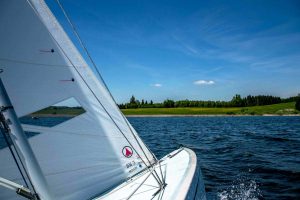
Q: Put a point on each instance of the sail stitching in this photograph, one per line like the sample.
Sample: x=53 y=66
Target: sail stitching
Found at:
x=53 y=131
x=34 y=63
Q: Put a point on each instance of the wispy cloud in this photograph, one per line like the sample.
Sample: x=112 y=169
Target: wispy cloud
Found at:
x=156 y=85
x=149 y=71
x=215 y=42
x=217 y=38
x=204 y=82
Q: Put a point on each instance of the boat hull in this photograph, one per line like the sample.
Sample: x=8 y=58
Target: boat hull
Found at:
x=182 y=176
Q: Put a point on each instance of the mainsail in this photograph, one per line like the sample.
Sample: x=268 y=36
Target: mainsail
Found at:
x=86 y=155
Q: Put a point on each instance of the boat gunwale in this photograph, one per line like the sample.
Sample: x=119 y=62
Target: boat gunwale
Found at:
x=188 y=175
x=185 y=183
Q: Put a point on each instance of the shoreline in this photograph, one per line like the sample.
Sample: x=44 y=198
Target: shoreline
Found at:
x=176 y=115
x=215 y=115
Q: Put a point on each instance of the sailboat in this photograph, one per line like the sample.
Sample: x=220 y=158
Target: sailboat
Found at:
x=95 y=154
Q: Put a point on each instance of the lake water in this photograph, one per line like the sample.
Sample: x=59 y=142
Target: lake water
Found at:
x=240 y=157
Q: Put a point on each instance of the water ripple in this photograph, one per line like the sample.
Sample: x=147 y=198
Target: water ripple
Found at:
x=240 y=157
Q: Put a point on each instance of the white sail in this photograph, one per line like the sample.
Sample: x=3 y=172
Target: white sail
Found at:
x=83 y=156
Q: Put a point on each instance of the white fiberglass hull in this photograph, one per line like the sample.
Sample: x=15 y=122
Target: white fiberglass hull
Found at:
x=182 y=177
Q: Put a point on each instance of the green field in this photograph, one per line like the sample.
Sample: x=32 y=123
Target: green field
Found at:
x=275 y=109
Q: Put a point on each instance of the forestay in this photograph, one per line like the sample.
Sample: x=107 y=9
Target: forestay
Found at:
x=85 y=155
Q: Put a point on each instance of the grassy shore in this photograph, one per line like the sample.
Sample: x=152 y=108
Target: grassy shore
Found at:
x=275 y=109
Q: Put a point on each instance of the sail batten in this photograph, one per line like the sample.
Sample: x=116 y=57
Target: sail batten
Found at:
x=84 y=156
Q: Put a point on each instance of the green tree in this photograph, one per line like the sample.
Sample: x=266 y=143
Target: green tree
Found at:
x=169 y=103
x=237 y=101
x=133 y=103
x=132 y=100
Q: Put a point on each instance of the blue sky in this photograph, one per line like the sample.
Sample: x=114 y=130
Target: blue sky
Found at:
x=191 y=49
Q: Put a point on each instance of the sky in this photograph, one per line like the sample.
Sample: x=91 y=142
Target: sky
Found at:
x=197 y=50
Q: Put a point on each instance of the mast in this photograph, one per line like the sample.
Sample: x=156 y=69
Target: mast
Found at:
x=36 y=55
x=20 y=141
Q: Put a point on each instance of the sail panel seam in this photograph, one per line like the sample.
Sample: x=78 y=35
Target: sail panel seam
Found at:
x=34 y=63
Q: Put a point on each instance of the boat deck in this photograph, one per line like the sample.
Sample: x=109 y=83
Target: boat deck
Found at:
x=177 y=169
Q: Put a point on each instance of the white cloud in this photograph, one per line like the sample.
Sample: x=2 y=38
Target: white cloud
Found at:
x=156 y=85
x=204 y=82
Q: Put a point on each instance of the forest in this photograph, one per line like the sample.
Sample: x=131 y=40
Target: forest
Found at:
x=236 y=101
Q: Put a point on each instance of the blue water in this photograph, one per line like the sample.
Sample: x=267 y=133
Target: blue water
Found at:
x=240 y=157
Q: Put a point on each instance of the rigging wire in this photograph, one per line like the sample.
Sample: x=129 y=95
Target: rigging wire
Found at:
x=90 y=57
x=101 y=78
x=157 y=161
x=72 y=64
x=88 y=54
x=77 y=71
x=93 y=63
x=123 y=116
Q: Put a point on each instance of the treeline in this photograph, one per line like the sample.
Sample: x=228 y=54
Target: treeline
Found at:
x=236 y=101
